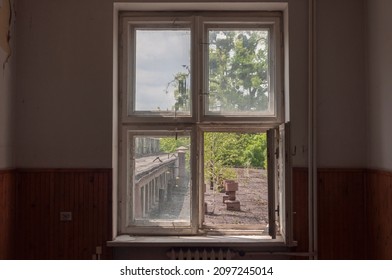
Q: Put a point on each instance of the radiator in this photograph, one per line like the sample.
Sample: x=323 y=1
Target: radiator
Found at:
x=201 y=254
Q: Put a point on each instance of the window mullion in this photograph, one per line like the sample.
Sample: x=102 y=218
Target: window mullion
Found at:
x=199 y=65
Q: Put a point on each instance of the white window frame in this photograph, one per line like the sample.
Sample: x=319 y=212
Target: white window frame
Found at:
x=230 y=229
x=129 y=21
x=126 y=193
x=273 y=24
x=197 y=110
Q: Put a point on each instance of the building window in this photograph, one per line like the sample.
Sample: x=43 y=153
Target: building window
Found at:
x=191 y=86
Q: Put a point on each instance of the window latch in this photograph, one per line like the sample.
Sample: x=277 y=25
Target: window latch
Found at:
x=277 y=211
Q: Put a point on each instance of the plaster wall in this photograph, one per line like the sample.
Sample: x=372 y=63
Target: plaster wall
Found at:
x=341 y=86
x=379 y=99
x=64 y=102
x=7 y=89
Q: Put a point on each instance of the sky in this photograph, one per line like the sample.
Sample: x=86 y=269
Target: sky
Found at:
x=160 y=54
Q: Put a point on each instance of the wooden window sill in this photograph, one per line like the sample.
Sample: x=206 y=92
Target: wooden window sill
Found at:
x=210 y=241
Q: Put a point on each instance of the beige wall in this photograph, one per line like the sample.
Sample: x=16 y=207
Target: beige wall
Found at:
x=64 y=65
x=6 y=115
x=379 y=100
x=7 y=90
x=298 y=59
x=341 y=106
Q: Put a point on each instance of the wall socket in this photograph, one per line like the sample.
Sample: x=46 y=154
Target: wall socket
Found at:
x=65 y=216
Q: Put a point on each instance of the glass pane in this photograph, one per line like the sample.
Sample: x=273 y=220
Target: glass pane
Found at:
x=161 y=179
x=238 y=73
x=162 y=71
x=235 y=174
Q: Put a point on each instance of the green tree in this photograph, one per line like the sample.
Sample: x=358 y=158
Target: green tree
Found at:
x=223 y=151
x=238 y=70
x=255 y=152
x=216 y=168
x=170 y=144
x=180 y=83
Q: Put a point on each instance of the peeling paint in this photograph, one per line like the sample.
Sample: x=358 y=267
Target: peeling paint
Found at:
x=5 y=28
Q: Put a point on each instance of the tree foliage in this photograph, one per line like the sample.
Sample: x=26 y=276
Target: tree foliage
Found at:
x=238 y=76
x=170 y=144
x=235 y=149
x=180 y=83
x=238 y=70
x=223 y=151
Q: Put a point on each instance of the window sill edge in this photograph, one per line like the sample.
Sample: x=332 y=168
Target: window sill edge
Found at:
x=213 y=241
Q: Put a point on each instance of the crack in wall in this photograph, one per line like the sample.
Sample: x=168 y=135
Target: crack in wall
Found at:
x=6 y=18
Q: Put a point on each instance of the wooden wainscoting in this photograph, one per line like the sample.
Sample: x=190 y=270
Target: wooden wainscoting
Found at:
x=341 y=214
x=43 y=194
x=379 y=214
x=7 y=213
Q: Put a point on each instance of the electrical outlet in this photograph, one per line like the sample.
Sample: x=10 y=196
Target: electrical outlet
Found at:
x=65 y=216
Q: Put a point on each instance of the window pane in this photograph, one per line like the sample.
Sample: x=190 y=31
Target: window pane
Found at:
x=238 y=72
x=161 y=179
x=162 y=71
x=235 y=174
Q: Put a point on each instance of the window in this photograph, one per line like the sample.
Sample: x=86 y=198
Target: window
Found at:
x=193 y=85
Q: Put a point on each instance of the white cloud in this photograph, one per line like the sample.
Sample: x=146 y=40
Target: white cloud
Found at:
x=160 y=55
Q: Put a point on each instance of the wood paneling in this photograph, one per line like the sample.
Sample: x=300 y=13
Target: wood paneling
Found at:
x=43 y=194
x=379 y=214
x=341 y=214
x=7 y=213
x=354 y=213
